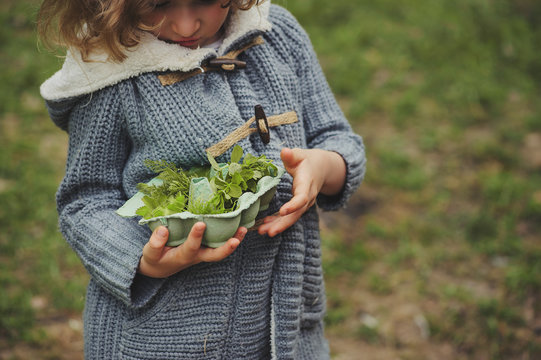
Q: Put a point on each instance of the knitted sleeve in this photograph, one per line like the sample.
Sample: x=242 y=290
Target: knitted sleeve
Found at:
x=325 y=125
x=108 y=245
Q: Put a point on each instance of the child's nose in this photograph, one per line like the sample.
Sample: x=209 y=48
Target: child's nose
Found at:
x=186 y=22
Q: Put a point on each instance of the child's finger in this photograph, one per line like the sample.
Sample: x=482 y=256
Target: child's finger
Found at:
x=296 y=203
x=153 y=249
x=220 y=253
x=302 y=195
x=280 y=224
x=269 y=219
x=193 y=243
x=240 y=233
x=264 y=228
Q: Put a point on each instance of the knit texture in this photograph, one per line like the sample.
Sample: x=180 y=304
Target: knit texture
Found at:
x=265 y=300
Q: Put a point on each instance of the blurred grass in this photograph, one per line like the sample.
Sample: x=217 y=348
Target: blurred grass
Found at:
x=40 y=276
x=446 y=95
x=438 y=254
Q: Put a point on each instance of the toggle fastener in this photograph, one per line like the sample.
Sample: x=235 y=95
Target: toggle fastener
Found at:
x=226 y=64
x=262 y=124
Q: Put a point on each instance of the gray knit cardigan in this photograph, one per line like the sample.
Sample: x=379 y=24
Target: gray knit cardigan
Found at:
x=267 y=299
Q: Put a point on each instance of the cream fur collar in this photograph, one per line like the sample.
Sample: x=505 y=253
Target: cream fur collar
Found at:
x=78 y=77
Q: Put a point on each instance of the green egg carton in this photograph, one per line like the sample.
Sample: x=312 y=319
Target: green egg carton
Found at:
x=219 y=227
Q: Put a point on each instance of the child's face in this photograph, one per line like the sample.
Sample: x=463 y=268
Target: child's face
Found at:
x=189 y=23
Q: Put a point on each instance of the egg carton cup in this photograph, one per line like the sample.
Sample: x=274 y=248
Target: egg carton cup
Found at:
x=219 y=227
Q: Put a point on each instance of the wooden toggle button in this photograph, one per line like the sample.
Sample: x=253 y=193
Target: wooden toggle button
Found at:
x=262 y=124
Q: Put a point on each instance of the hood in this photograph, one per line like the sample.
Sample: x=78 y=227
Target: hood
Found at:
x=78 y=77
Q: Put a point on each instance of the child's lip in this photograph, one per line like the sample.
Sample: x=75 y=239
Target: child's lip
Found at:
x=187 y=42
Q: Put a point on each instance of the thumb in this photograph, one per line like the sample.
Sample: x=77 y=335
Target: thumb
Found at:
x=154 y=247
x=291 y=158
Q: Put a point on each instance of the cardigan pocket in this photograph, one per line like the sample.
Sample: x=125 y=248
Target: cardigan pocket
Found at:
x=187 y=321
x=159 y=303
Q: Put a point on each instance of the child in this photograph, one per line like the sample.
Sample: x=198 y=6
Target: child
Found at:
x=155 y=79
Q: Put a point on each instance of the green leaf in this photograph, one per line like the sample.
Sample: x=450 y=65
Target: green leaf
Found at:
x=247 y=173
x=249 y=159
x=157 y=212
x=273 y=170
x=234 y=168
x=143 y=211
x=257 y=174
x=218 y=203
x=238 y=179
x=236 y=154
x=235 y=191
x=178 y=205
x=251 y=185
x=149 y=202
x=213 y=162
x=218 y=183
x=159 y=166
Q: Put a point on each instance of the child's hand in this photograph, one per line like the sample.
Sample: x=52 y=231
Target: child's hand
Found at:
x=160 y=261
x=313 y=171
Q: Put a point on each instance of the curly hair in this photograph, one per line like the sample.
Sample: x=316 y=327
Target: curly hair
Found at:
x=108 y=25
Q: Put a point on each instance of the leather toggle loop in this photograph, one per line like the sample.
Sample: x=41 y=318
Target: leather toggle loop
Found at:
x=262 y=124
x=227 y=62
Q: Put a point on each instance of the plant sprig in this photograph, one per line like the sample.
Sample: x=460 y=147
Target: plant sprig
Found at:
x=228 y=182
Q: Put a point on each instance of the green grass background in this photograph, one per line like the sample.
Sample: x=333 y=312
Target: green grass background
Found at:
x=438 y=254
